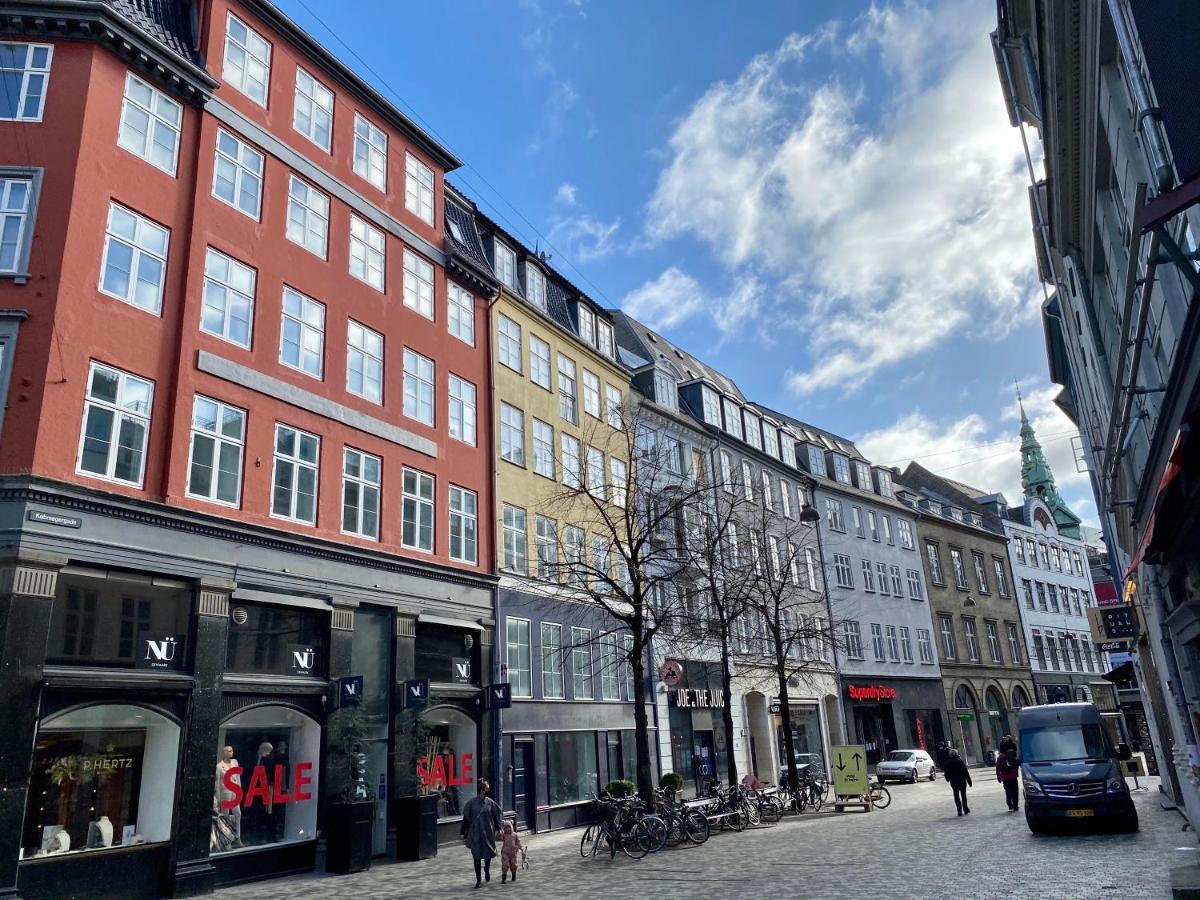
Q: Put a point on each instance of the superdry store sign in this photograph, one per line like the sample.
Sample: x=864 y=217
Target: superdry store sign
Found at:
x=870 y=693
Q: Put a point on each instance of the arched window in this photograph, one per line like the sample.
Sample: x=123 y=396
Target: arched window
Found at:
x=1020 y=699
x=963 y=698
x=448 y=766
x=103 y=776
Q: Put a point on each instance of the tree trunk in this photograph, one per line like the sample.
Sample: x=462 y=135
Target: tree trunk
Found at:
x=645 y=772
x=785 y=717
x=727 y=710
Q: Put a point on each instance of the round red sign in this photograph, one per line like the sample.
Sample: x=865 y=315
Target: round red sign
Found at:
x=671 y=672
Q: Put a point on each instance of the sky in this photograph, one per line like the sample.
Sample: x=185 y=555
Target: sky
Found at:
x=823 y=200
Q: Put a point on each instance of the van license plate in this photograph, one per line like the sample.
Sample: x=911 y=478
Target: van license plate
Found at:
x=1080 y=813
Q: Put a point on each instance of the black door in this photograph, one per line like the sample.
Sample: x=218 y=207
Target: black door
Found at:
x=524 y=785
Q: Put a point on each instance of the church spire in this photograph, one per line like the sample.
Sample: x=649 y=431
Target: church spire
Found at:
x=1038 y=481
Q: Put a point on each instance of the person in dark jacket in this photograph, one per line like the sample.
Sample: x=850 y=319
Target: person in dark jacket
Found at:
x=481 y=822
x=1008 y=770
x=959 y=776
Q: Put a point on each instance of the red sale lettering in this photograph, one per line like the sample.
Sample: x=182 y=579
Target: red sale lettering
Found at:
x=231 y=781
x=445 y=771
x=265 y=793
x=258 y=787
x=302 y=780
x=279 y=794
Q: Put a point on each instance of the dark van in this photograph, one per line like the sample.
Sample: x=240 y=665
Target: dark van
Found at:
x=1070 y=769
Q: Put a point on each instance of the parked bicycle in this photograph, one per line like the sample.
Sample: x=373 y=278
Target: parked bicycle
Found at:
x=879 y=796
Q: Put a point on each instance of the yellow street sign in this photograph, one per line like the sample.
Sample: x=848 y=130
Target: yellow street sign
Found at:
x=849 y=770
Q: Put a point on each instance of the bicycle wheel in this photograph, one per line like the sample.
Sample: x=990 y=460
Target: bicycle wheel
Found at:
x=655 y=831
x=736 y=821
x=697 y=827
x=751 y=813
x=771 y=810
x=884 y=798
x=676 y=828
x=634 y=839
x=816 y=798
x=587 y=843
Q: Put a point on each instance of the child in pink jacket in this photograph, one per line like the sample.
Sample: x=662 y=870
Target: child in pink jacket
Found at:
x=510 y=851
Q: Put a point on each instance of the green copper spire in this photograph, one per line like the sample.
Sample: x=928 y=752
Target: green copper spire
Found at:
x=1038 y=481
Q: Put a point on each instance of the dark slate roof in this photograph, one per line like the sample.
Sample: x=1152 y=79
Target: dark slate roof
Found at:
x=471 y=247
x=814 y=435
x=167 y=21
x=652 y=346
x=557 y=306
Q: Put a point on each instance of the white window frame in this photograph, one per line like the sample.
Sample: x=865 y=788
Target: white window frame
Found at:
x=568 y=389
x=366 y=486
x=571 y=465
x=462 y=410
x=121 y=412
x=505 y=263
x=546 y=547
x=464 y=524
x=925 y=646
x=733 y=417
x=366 y=346
x=31 y=73
x=552 y=660
x=711 y=404
x=422 y=507
x=418 y=284
x=460 y=313
x=370 y=152
x=906 y=651
x=238 y=283
x=539 y=362
x=613 y=406
x=250 y=46
x=914 y=584
x=23 y=212
x=419 y=185
x=297 y=463
x=219 y=440
x=508 y=343
x=512 y=434
x=591 y=394
x=610 y=677
x=618 y=473
x=159 y=121
x=368 y=253
x=852 y=635
x=420 y=378
x=142 y=247
x=243 y=154
x=311 y=321
x=543 y=449
x=520 y=663
x=316 y=101
x=605 y=340
x=535 y=286
x=596 y=485
x=785 y=498
x=949 y=642
x=307 y=217
x=581 y=656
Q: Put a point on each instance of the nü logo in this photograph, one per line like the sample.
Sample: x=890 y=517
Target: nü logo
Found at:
x=159 y=651
x=303 y=659
x=162 y=651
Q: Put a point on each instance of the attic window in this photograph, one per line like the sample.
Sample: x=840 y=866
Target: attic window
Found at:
x=455 y=231
x=677 y=353
x=653 y=339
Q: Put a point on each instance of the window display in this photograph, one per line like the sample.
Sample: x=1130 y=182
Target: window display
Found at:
x=265 y=782
x=574 y=773
x=448 y=767
x=103 y=776
x=277 y=640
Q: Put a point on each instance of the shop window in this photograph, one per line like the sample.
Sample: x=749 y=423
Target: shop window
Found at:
x=277 y=640
x=449 y=765
x=103 y=776
x=443 y=649
x=114 y=619
x=574 y=773
x=265 y=784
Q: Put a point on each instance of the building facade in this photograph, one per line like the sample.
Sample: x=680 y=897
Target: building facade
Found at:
x=1104 y=86
x=229 y=478
x=985 y=670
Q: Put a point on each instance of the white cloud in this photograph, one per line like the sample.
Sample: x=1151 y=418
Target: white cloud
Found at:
x=674 y=297
x=984 y=454
x=565 y=194
x=584 y=238
x=895 y=212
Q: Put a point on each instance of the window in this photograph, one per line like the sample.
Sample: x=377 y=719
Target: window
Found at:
x=949 y=650
x=416 y=531
x=1039 y=649
x=535 y=287
x=418 y=387
x=116 y=422
x=552 y=674
x=785 y=498
x=904 y=529
x=587 y=324
x=581 y=663
x=539 y=353
x=370 y=152
x=360 y=493
x=1041 y=594
x=509 y=340
x=567 y=404
x=711 y=405
x=573 y=556
x=1052 y=590
x=810 y=566
x=1001 y=578
x=1052 y=647
x=464 y=525
x=787 y=443
x=1014 y=643
x=572 y=476
x=748 y=479
x=816 y=461
x=610 y=674
x=366 y=253
x=612 y=402
x=753 y=430
x=150 y=122
x=312 y=114
x=727 y=471
x=418 y=287
x=462 y=410
x=768 y=495
x=770 y=440
x=893 y=644
x=24 y=71
x=925 y=646
x=897 y=587
x=364 y=362
x=307 y=217
x=1043 y=553
x=238 y=174
x=841 y=470
x=595 y=473
x=972 y=640
x=841 y=571
x=591 y=394
x=872 y=524
x=302 y=334
x=546 y=537
x=247 y=60
x=418 y=188
x=1078 y=562
x=1054 y=555
x=512 y=434
x=520 y=672
x=505 y=263
x=1027 y=588
x=1075 y=601
x=877 y=642
x=604 y=339
x=215 y=463
x=993 y=636
x=619 y=477
x=914 y=583
x=886 y=524
x=1019 y=547
x=733 y=418
x=960 y=569
x=294 y=482
x=833 y=514
x=135 y=258
x=885 y=483
x=980 y=572
x=868 y=574
x=543 y=449
x=227 y=309
x=906 y=644
x=16 y=205
x=935 y=563
x=665 y=392
x=882 y=570
x=856 y=519
x=672 y=452
x=852 y=634
x=1088 y=658
x=1032 y=552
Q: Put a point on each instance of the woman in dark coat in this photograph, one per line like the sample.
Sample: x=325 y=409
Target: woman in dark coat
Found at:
x=959 y=776
x=480 y=824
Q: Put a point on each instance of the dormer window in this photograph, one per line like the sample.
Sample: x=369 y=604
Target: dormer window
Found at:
x=770 y=439
x=955 y=513
x=455 y=231
x=665 y=392
x=841 y=468
x=711 y=402
x=733 y=418
x=587 y=325
x=816 y=460
x=787 y=443
x=753 y=431
x=863 y=472
x=535 y=287
x=604 y=333
x=505 y=262
x=885 y=483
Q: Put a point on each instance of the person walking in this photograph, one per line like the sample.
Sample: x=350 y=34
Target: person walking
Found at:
x=480 y=824
x=959 y=776
x=1008 y=769
x=510 y=850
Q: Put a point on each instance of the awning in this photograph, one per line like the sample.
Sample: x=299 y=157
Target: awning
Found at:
x=1123 y=672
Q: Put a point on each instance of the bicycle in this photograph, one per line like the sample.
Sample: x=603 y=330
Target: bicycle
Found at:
x=879 y=796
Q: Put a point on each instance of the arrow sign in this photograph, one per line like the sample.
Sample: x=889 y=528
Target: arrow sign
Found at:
x=857 y=757
x=416 y=692
x=849 y=780
x=841 y=765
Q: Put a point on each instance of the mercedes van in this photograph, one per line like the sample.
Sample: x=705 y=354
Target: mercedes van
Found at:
x=1070 y=768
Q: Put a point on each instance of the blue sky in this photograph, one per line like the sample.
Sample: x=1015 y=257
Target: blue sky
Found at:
x=823 y=200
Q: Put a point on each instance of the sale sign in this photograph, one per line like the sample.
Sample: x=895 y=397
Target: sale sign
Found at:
x=266 y=794
x=445 y=771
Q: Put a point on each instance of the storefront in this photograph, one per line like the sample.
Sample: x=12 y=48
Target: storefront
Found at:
x=893 y=714
x=699 y=750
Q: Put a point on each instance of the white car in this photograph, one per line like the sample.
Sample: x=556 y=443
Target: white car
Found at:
x=906 y=765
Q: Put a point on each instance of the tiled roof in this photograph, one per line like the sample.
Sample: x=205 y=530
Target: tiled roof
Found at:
x=814 y=435
x=655 y=347
x=470 y=247
x=556 y=306
x=167 y=21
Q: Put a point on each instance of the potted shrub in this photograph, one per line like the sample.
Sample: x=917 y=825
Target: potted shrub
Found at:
x=672 y=783
x=620 y=789
x=350 y=818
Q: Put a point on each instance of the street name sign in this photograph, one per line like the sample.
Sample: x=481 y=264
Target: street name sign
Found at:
x=849 y=770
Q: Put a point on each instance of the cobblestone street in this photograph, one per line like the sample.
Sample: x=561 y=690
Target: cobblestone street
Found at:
x=917 y=848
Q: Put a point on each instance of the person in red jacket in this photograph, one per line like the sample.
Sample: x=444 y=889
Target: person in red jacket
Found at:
x=1008 y=770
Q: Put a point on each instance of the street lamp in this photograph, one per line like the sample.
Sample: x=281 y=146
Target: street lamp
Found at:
x=810 y=516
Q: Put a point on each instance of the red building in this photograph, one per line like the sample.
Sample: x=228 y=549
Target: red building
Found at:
x=245 y=450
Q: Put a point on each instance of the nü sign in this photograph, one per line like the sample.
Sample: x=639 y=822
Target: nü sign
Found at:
x=698 y=698
x=870 y=692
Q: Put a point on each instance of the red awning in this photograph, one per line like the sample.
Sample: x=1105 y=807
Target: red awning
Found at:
x=1173 y=467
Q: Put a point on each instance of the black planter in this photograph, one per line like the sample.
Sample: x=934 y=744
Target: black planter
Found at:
x=349 y=829
x=416 y=827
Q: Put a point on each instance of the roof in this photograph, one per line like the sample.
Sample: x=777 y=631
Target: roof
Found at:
x=920 y=481
x=814 y=435
x=466 y=247
x=167 y=21
x=651 y=346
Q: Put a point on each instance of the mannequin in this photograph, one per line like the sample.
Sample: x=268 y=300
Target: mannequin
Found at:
x=229 y=835
x=105 y=826
x=260 y=821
